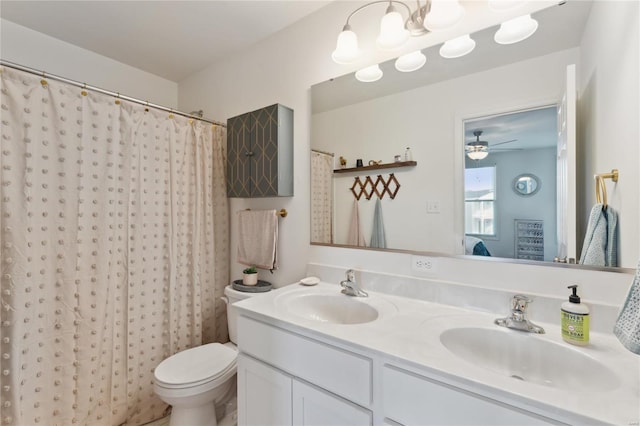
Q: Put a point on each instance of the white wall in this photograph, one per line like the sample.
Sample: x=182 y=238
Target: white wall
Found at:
x=32 y=49
x=380 y=128
x=608 y=116
x=282 y=69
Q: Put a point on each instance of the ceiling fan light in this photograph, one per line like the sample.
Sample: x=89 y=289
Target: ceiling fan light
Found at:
x=411 y=61
x=346 y=48
x=369 y=74
x=501 y=5
x=477 y=154
x=443 y=15
x=457 y=47
x=516 y=30
x=393 y=33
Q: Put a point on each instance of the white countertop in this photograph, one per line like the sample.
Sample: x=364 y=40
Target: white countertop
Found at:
x=408 y=332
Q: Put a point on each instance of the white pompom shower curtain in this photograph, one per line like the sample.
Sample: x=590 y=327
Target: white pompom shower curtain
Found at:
x=113 y=250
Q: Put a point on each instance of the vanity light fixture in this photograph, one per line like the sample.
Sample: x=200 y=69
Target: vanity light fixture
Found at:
x=457 y=47
x=411 y=61
x=515 y=30
x=369 y=74
x=395 y=30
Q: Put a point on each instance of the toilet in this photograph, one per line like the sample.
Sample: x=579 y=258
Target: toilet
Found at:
x=195 y=380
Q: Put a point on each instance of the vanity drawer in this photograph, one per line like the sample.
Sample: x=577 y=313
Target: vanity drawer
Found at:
x=341 y=372
x=411 y=399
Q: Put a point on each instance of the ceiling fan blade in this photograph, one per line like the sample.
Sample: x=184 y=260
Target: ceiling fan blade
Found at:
x=502 y=143
x=506 y=149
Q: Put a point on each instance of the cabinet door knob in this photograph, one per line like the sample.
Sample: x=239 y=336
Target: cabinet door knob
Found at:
x=248 y=154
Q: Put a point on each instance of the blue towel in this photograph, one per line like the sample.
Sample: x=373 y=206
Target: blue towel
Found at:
x=378 y=238
x=627 y=328
x=600 y=247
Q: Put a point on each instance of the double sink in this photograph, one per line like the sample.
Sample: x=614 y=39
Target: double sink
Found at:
x=521 y=356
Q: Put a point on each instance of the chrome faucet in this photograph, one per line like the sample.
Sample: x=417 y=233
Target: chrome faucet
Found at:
x=350 y=287
x=518 y=318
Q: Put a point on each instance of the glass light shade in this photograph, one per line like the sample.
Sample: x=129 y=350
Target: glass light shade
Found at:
x=457 y=47
x=346 y=48
x=369 y=74
x=500 y=5
x=411 y=61
x=443 y=15
x=478 y=154
x=393 y=34
x=516 y=30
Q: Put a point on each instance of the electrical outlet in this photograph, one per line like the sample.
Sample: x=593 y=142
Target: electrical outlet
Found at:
x=433 y=206
x=423 y=264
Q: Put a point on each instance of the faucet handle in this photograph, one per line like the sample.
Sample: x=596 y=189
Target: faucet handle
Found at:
x=519 y=302
x=351 y=275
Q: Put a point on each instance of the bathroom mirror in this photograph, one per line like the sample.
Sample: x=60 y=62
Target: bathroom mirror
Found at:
x=426 y=110
x=526 y=184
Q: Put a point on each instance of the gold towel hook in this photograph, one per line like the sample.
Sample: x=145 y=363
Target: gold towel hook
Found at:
x=601 y=186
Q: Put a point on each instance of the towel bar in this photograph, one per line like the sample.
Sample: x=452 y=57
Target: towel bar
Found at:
x=601 y=187
x=281 y=212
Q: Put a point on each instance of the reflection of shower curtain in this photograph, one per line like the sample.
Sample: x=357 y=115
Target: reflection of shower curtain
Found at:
x=321 y=197
x=114 y=230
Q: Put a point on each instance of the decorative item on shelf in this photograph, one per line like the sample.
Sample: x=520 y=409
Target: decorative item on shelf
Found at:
x=397 y=158
x=250 y=276
x=432 y=15
x=408 y=155
x=343 y=162
x=374 y=162
x=359 y=162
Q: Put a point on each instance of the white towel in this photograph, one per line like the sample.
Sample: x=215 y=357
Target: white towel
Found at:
x=355 y=238
x=258 y=238
x=627 y=328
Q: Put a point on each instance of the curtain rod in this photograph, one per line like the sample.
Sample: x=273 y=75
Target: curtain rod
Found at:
x=104 y=92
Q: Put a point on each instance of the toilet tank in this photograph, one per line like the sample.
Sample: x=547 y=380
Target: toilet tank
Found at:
x=233 y=296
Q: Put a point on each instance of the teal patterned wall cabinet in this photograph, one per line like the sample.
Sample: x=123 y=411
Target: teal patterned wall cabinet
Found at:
x=260 y=153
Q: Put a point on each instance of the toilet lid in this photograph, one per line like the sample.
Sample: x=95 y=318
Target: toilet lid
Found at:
x=195 y=364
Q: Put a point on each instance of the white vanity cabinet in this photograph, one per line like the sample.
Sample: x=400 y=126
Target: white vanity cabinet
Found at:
x=285 y=378
x=412 y=399
x=289 y=378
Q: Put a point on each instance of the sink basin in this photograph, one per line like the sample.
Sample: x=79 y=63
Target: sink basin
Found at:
x=334 y=307
x=529 y=358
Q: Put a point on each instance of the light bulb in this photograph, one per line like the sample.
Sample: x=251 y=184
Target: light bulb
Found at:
x=443 y=15
x=457 y=47
x=516 y=30
x=411 y=61
x=369 y=74
x=393 y=34
x=347 y=47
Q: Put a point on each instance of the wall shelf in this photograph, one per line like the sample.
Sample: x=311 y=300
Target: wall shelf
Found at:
x=377 y=167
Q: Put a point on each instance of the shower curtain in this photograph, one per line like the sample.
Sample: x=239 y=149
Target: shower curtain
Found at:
x=113 y=250
x=321 y=197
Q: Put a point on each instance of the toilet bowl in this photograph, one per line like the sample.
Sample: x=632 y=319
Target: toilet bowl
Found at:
x=195 y=380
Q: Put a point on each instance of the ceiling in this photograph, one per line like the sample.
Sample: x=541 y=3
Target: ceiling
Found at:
x=171 y=39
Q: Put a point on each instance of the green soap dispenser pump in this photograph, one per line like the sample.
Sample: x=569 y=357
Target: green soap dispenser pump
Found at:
x=575 y=319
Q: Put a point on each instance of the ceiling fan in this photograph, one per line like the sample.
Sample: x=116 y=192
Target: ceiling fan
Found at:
x=477 y=150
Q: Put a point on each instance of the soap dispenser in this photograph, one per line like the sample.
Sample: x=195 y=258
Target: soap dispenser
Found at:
x=575 y=319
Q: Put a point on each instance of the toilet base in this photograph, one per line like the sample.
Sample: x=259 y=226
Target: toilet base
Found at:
x=203 y=415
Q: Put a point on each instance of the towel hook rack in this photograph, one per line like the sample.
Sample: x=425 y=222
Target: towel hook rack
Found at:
x=601 y=187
